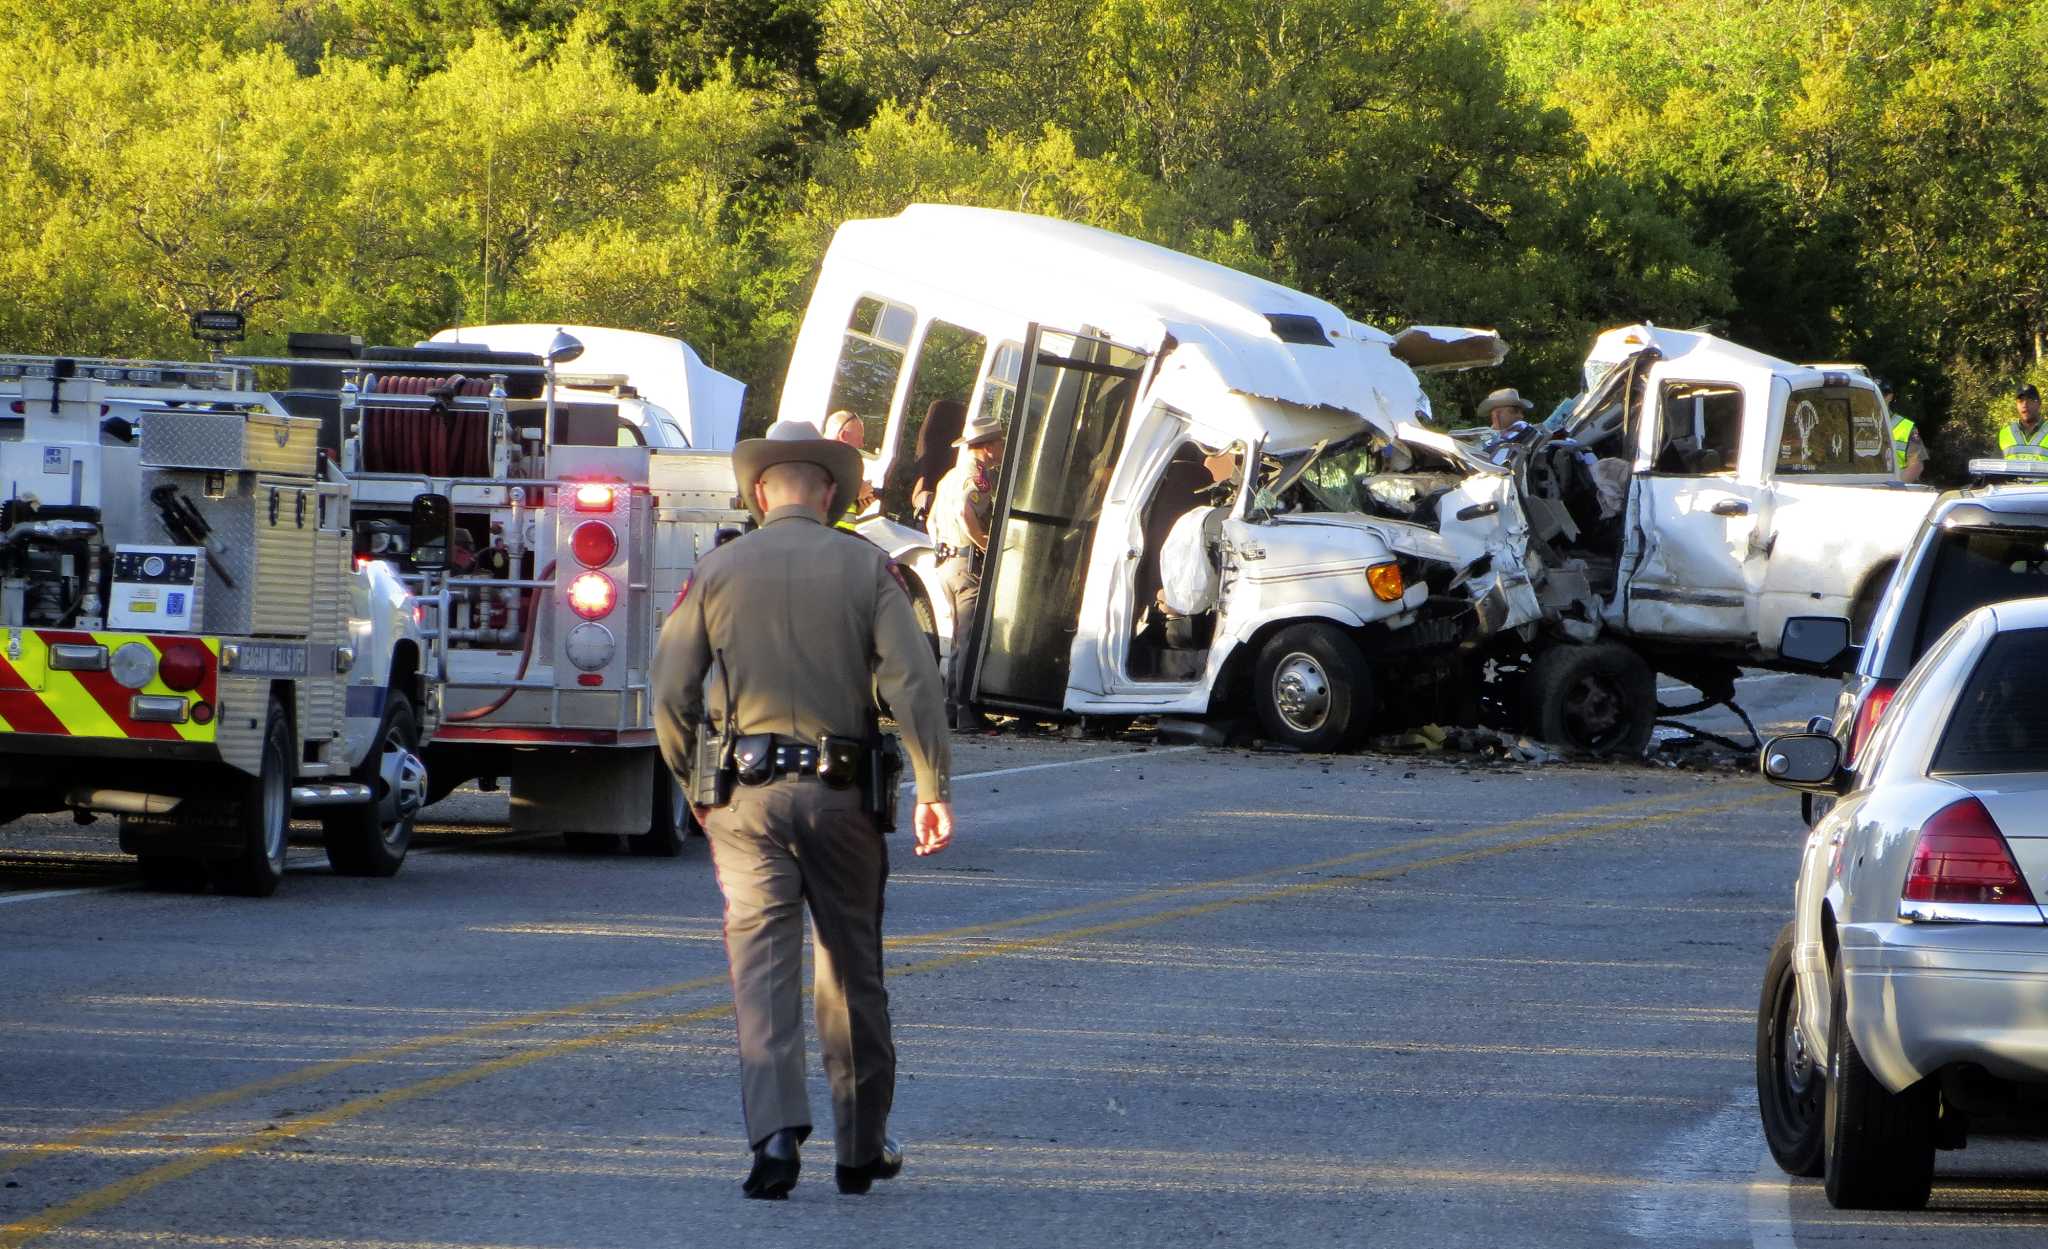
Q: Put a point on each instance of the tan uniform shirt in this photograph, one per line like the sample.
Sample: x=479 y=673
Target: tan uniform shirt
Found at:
x=963 y=490
x=811 y=624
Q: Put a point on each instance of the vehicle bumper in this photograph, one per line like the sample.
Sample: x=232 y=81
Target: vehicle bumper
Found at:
x=1924 y=996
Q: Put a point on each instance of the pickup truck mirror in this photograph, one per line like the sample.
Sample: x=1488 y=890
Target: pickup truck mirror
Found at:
x=433 y=531
x=1807 y=761
x=1823 y=643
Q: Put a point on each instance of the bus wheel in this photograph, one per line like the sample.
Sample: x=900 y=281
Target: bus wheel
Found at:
x=1311 y=687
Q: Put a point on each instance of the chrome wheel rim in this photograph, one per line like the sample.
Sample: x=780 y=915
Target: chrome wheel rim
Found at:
x=1301 y=692
x=277 y=797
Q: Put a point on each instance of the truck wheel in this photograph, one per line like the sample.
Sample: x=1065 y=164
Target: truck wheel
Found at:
x=670 y=821
x=1311 y=687
x=262 y=809
x=371 y=839
x=1598 y=699
x=927 y=622
x=1880 y=1144
x=1789 y=1083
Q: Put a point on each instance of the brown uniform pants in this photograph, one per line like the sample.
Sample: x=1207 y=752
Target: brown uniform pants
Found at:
x=778 y=847
x=961 y=576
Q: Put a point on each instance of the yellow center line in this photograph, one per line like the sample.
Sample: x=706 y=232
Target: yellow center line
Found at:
x=24 y=1231
x=84 y=1138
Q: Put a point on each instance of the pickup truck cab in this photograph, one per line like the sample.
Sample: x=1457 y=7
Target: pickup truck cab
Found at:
x=1697 y=496
x=1730 y=491
x=1216 y=491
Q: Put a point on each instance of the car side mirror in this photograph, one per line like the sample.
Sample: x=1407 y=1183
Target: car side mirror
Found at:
x=433 y=530
x=1823 y=643
x=1806 y=761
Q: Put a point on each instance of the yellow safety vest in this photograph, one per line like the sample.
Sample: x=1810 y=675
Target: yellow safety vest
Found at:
x=2015 y=445
x=1902 y=437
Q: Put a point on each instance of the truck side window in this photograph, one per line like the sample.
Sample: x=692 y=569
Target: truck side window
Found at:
x=877 y=339
x=1834 y=429
x=1699 y=428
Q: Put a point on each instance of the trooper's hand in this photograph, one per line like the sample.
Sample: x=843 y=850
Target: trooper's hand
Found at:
x=933 y=824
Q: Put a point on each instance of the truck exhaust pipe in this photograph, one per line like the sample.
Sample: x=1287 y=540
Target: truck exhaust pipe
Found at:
x=122 y=801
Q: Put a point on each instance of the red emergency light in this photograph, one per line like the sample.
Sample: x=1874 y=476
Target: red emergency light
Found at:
x=182 y=667
x=594 y=543
x=594 y=496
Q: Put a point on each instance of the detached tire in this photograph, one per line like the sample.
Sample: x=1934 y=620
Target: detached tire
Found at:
x=1311 y=687
x=1598 y=699
x=360 y=840
x=1790 y=1086
x=262 y=812
x=669 y=822
x=1880 y=1144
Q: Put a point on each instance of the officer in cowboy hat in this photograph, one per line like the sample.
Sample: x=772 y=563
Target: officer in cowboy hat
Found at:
x=807 y=625
x=1505 y=408
x=1507 y=412
x=961 y=509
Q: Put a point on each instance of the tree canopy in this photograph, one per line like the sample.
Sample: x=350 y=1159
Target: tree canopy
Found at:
x=1839 y=179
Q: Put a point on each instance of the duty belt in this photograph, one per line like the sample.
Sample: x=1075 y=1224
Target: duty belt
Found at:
x=763 y=757
x=945 y=552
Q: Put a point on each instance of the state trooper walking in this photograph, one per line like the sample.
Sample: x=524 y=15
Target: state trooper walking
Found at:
x=797 y=628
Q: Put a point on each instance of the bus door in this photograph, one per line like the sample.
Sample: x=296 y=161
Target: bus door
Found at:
x=1076 y=393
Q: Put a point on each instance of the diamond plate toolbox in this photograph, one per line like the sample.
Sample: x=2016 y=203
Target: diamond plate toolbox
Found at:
x=230 y=441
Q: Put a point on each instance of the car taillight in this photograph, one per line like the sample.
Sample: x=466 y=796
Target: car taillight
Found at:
x=592 y=595
x=182 y=667
x=1867 y=716
x=1962 y=857
x=594 y=543
x=593 y=497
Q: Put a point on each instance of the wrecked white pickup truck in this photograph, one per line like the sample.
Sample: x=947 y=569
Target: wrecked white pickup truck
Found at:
x=1695 y=497
x=1216 y=495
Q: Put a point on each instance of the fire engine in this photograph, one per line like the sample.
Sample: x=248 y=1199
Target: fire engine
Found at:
x=184 y=641
x=546 y=519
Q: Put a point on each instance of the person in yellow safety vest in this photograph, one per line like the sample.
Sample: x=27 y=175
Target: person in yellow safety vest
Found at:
x=1906 y=442
x=844 y=426
x=2027 y=437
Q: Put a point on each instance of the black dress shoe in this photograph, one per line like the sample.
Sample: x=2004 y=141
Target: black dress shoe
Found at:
x=775 y=1167
x=854 y=1181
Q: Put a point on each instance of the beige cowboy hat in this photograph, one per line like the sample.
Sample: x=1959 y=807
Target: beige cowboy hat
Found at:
x=798 y=442
x=1506 y=397
x=983 y=428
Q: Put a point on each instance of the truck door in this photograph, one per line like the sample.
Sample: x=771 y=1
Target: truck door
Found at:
x=1839 y=516
x=1077 y=391
x=1693 y=512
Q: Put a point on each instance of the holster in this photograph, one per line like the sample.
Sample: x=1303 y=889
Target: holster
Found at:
x=882 y=781
x=711 y=775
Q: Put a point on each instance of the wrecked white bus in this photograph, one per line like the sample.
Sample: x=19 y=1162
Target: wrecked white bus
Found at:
x=1216 y=496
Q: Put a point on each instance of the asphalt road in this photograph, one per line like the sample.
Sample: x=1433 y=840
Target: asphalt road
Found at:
x=1166 y=996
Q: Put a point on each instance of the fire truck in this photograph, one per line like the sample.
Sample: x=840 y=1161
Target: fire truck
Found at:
x=546 y=518
x=185 y=642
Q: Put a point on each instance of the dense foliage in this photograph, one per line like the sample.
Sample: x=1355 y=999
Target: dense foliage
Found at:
x=1819 y=178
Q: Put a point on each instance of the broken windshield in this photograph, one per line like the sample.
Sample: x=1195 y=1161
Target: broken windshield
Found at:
x=1366 y=474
